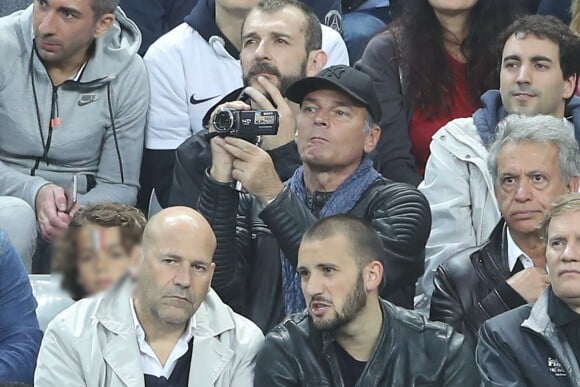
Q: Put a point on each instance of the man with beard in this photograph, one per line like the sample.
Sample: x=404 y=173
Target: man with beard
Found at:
x=350 y=336
x=300 y=56
x=167 y=327
x=195 y=65
x=259 y=232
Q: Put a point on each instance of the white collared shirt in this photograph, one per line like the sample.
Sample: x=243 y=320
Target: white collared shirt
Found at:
x=149 y=361
x=515 y=253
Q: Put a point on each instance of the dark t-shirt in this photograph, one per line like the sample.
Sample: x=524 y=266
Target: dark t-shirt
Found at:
x=350 y=368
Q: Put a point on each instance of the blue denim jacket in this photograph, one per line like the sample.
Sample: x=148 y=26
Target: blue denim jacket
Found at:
x=20 y=335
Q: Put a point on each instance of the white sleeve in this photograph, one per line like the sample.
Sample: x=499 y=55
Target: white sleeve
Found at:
x=447 y=188
x=334 y=47
x=168 y=123
x=58 y=363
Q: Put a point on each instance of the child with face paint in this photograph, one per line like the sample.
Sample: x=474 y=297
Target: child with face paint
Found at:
x=100 y=241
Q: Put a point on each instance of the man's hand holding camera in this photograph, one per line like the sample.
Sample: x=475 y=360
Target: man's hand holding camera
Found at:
x=235 y=158
x=253 y=168
x=287 y=122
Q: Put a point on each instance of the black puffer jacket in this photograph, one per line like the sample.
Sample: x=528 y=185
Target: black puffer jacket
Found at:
x=472 y=288
x=410 y=351
x=247 y=257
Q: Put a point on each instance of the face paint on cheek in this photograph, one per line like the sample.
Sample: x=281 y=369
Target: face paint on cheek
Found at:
x=98 y=240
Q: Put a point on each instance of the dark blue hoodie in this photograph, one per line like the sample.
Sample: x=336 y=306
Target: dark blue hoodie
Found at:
x=202 y=19
x=487 y=117
x=155 y=17
x=328 y=11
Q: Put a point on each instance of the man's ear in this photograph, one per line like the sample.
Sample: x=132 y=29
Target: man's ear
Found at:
x=372 y=139
x=211 y=272
x=373 y=274
x=103 y=24
x=315 y=62
x=569 y=86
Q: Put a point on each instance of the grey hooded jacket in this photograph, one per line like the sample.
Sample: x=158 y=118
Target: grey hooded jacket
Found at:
x=102 y=116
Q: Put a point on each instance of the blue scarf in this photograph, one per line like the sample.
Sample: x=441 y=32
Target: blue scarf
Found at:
x=340 y=202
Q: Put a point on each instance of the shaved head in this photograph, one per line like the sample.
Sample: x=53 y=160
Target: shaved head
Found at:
x=182 y=221
x=176 y=272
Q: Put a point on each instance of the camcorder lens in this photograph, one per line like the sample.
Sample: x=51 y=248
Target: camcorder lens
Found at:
x=223 y=121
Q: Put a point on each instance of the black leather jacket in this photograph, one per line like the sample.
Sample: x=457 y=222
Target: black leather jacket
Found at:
x=193 y=157
x=250 y=236
x=410 y=351
x=471 y=288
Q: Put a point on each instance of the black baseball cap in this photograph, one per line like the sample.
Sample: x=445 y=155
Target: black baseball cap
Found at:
x=356 y=84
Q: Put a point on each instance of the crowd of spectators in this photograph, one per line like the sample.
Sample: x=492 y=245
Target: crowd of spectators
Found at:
x=290 y=193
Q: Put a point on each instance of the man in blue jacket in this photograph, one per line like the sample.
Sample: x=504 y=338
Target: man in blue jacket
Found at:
x=19 y=333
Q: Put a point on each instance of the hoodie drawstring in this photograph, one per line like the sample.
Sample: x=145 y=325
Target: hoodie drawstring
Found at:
x=55 y=120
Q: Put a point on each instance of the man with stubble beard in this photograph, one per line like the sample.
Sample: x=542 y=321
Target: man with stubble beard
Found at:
x=196 y=65
x=282 y=41
x=348 y=335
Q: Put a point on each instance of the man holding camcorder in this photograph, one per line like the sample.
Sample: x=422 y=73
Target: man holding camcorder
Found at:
x=335 y=129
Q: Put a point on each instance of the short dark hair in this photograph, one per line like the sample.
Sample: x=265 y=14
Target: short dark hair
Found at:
x=566 y=204
x=101 y=7
x=130 y=221
x=313 y=32
x=552 y=28
x=365 y=242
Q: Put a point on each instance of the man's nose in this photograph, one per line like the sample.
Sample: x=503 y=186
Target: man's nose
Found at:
x=311 y=286
x=263 y=50
x=321 y=117
x=523 y=191
x=572 y=252
x=182 y=277
x=524 y=74
x=46 y=25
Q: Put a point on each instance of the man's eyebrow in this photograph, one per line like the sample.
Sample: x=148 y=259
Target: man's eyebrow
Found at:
x=511 y=57
x=249 y=35
x=200 y=262
x=535 y=58
x=280 y=35
x=70 y=10
x=541 y=58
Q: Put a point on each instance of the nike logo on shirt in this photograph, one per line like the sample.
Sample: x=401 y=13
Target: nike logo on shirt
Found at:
x=87 y=99
x=196 y=101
